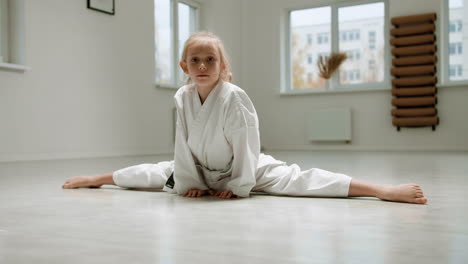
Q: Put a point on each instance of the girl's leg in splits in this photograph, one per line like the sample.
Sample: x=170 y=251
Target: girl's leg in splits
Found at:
x=89 y=181
x=278 y=178
x=408 y=193
x=138 y=176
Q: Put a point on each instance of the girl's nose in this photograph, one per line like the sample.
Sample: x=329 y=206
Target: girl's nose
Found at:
x=202 y=67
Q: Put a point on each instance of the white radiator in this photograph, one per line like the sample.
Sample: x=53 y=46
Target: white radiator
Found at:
x=332 y=124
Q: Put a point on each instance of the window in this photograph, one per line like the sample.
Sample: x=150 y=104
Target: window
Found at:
x=322 y=38
x=456 y=48
x=3 y=31
x=456 y=71
x=309 y=59
x=12 y=35
x=371 y=40
x=455 y=39
x=452 y=27
x=350 y=35
x=337 y=28
x=352 y=75
x=309 y=39
x=354 y=55
x=369 y=18
x=456 y=26
x=452 y=48
x=305 y=76
x=174 y=21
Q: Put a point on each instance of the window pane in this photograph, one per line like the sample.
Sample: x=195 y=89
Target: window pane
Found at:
x=366 y=21
x=458 y=39
x=187 y=23
x=163 y=42
x=452 y=26
x=315 y=22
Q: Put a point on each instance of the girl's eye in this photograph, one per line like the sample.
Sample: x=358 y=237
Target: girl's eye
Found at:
x=194 y=59
x=210 y=59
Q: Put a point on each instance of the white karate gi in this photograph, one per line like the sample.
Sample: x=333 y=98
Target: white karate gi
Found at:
x=218 y=147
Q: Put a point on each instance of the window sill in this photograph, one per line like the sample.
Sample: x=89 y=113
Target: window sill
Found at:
x=323 y=91
x=166 y=87
x=454 y=84
x=13 y=67
x=461 y=84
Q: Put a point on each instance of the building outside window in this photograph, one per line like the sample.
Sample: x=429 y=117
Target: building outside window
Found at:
x=456 y=40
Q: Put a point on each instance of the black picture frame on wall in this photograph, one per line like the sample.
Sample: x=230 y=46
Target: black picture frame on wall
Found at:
x=104 y=6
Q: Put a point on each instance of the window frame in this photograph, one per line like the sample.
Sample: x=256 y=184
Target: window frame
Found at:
x=175 y=39
x=444 y=43
x=333 y=84
x=4 y=39
x=14 y=55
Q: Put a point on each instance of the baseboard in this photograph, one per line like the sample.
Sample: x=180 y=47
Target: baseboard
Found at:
x=364 y=148
x=18 y=157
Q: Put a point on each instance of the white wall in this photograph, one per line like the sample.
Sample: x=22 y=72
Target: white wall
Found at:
x=282 y=117
x=223 y=17
x=90 y=91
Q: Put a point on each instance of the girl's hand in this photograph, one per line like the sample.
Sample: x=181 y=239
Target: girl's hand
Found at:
x=194 y=193
x=226 y=194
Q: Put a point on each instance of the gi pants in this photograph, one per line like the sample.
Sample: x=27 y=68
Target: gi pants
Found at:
x=272 y=176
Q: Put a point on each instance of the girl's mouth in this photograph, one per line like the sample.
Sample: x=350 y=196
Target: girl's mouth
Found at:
x=202 y=75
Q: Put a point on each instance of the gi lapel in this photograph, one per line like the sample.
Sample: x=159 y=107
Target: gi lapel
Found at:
x=202 y=117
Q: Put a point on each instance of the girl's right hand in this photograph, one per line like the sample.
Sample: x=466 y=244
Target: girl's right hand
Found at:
x=195 y=193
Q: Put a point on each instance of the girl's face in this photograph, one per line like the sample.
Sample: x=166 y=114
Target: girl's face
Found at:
x=203 y=64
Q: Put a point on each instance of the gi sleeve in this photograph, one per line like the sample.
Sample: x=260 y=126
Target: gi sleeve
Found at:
x=243 y=135
x=186 y=175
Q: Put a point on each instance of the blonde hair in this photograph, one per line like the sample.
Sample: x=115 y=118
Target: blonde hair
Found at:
x=226 y=74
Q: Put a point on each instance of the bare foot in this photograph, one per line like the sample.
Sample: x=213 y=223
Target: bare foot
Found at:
x=407 y=193
x=81 y=181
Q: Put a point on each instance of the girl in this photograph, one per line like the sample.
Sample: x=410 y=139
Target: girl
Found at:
x=217 y=148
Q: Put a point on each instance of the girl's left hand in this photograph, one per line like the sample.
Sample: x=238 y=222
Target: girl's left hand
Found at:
x=195 y=193
x=226 y=194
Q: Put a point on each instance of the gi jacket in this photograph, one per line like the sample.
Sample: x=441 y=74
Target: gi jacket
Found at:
x=217 y=143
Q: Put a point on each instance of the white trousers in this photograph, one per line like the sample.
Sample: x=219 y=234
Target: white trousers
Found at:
x=273 y=177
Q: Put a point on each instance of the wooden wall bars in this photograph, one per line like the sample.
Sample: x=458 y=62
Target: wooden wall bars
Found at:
x=414 y=70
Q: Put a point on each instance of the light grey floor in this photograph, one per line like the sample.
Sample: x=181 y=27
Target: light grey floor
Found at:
x=42 y=223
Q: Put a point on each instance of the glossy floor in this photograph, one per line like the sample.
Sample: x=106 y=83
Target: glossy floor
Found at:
x=42 y=223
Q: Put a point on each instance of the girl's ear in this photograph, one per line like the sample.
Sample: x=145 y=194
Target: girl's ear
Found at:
x=183 y=65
